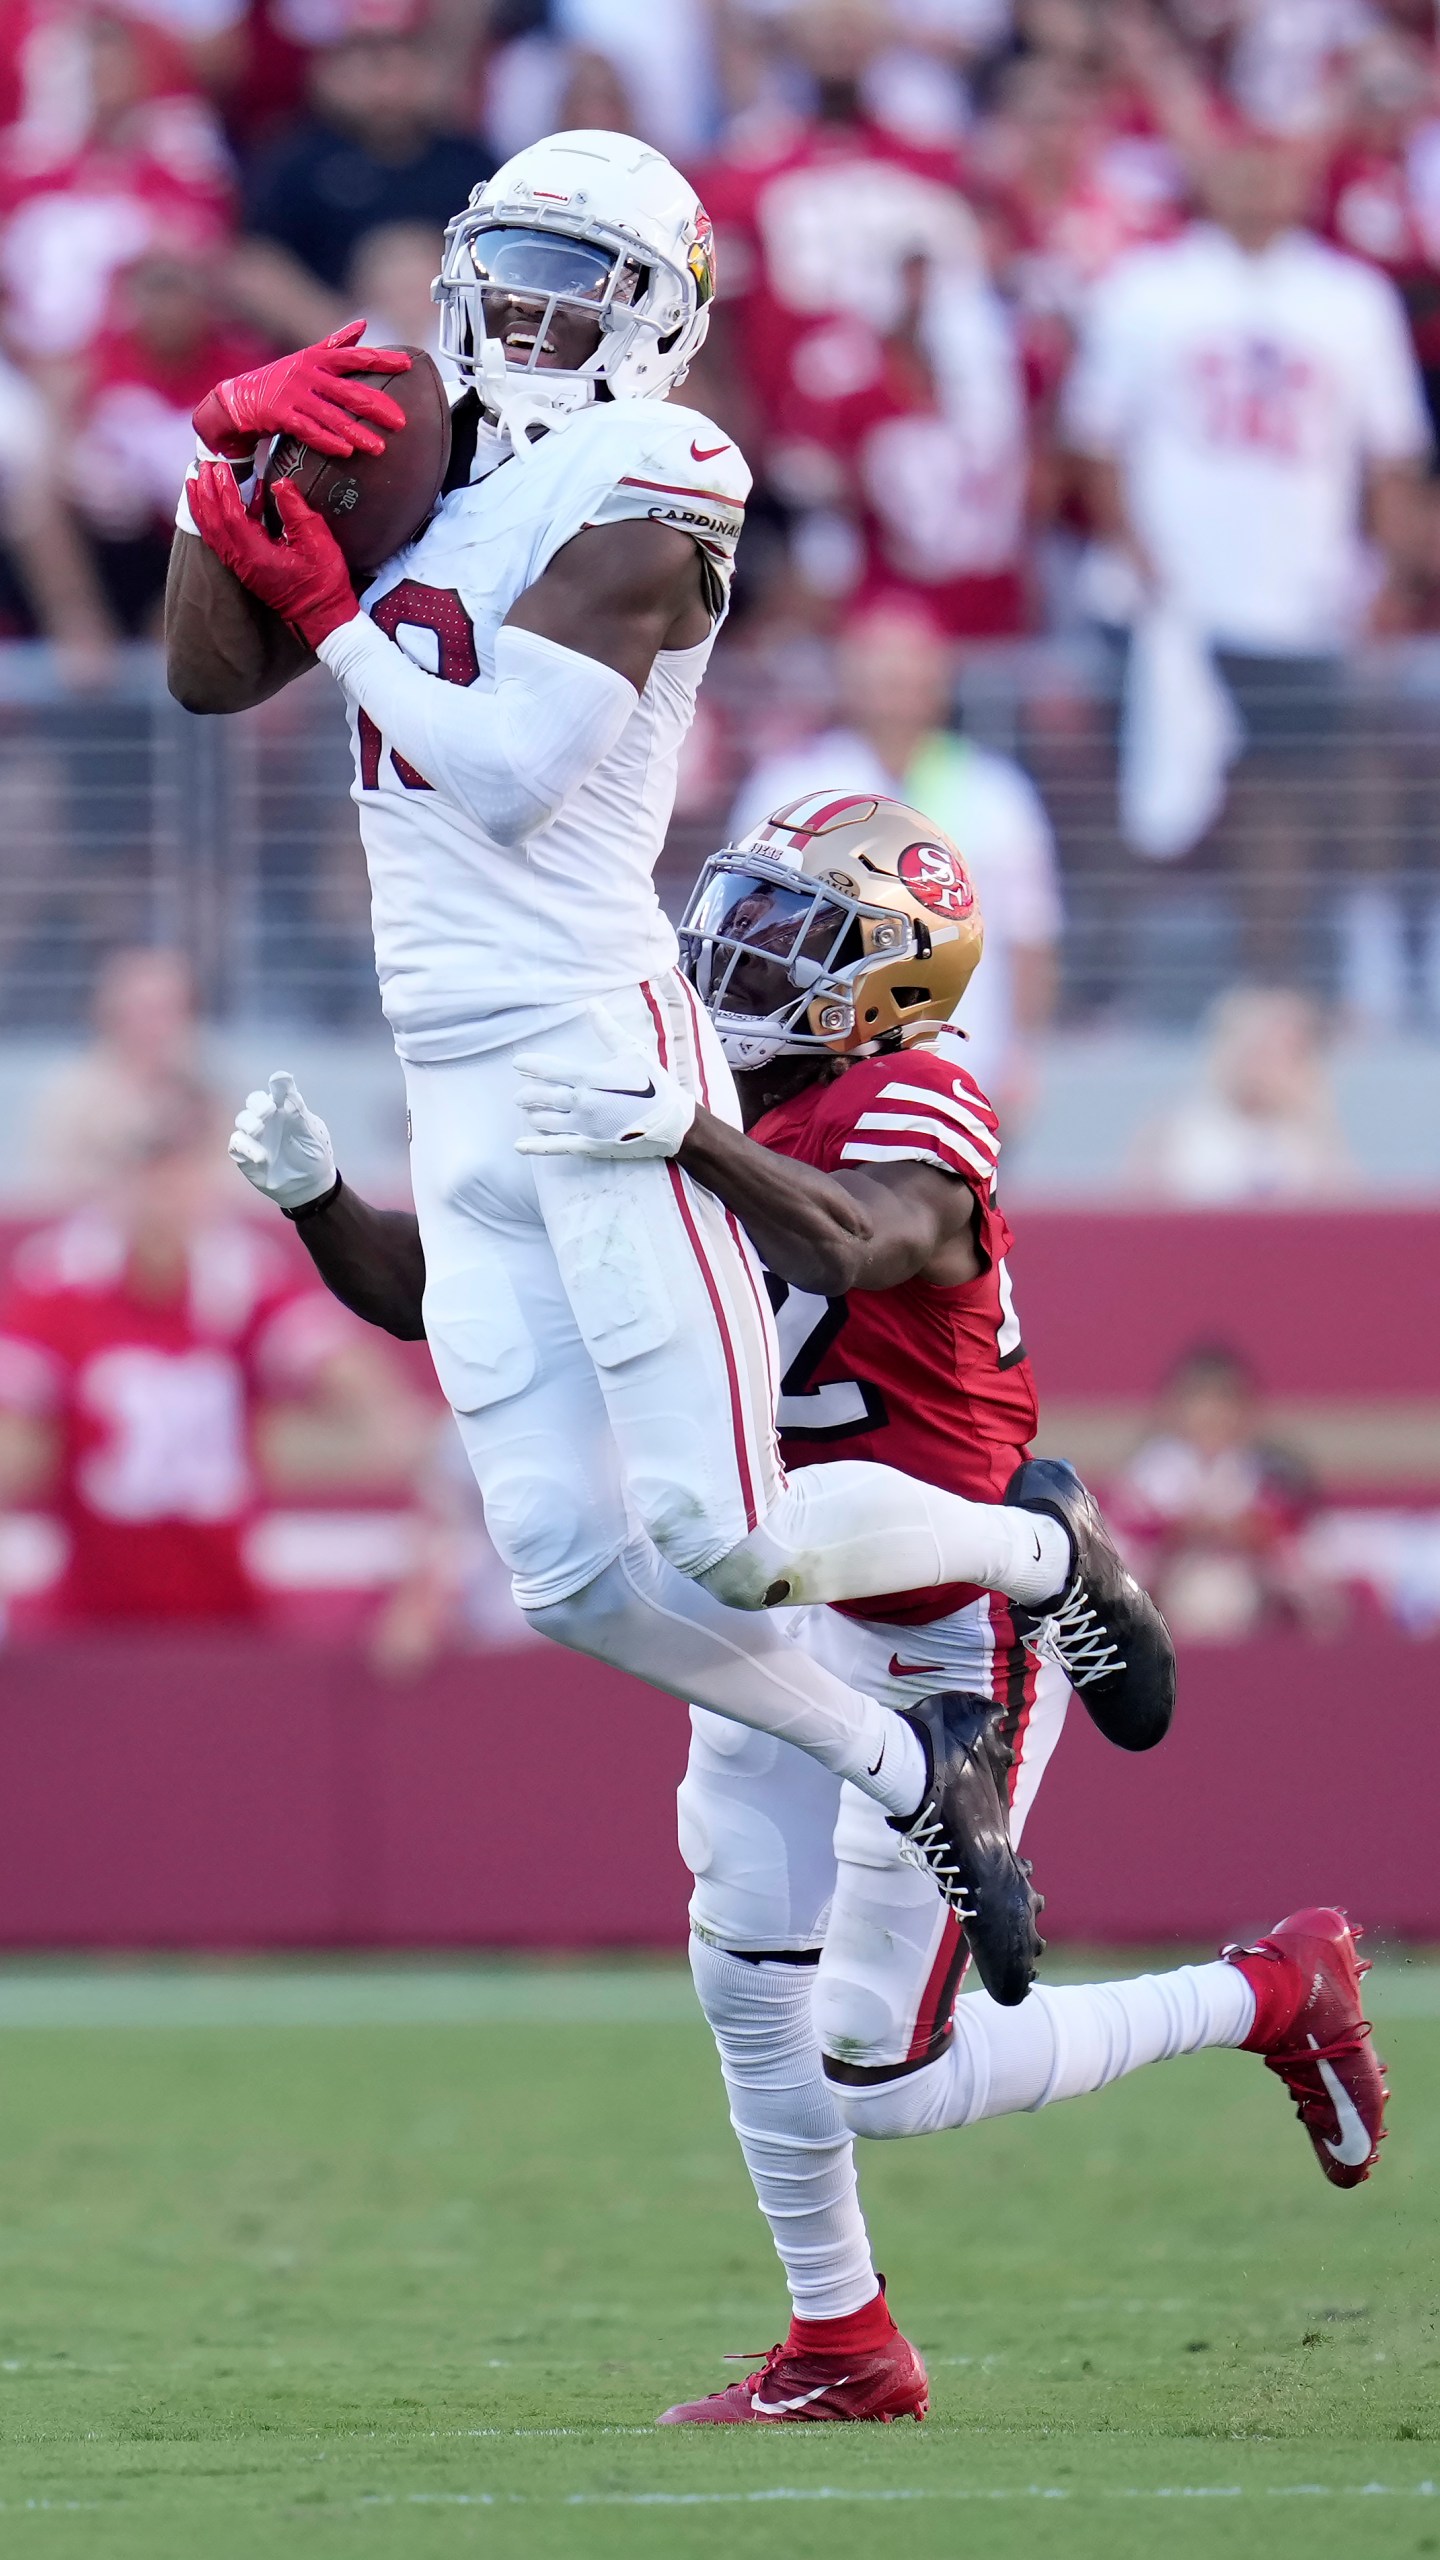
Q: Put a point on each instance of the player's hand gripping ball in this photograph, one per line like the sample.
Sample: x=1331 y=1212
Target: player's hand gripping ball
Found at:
x=626 y=1108
x=314 y=394
x=302 y=577
x=282 y=1147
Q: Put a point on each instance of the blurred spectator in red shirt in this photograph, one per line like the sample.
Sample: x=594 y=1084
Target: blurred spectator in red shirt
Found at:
x=1212 y=1512
x=130 y=433
x=819 y=216
x=378 y=147
x=101 y=162
x=921 y=436
x=141 y=1344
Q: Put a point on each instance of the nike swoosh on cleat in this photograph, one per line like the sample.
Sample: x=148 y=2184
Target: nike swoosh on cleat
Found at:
x=709 y=453
x=632 y=1092
x=777 y=2408
x=905 y=1670
x=1354 y=2146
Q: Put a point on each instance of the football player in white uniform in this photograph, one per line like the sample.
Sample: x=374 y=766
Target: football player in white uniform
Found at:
x=520 y=679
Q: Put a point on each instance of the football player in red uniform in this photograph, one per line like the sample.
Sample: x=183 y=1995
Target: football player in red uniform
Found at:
x=826 y=1964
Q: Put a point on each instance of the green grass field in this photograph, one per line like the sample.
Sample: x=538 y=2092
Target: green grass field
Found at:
x=387 y=2262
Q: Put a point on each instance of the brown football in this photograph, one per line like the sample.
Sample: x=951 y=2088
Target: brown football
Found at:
x=374 y=502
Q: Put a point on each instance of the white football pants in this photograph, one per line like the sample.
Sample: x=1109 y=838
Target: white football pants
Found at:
x=867 y=2036
x=604 y=1336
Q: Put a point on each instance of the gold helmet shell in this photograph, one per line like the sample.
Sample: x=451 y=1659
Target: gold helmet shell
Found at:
x=842 y=922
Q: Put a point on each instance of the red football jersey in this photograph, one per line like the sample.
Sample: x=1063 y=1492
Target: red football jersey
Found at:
x=931 y=1380
x=812 y=219
x=155 y=1403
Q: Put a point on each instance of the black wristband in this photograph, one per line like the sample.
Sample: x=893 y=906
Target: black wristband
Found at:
x=312 y=1208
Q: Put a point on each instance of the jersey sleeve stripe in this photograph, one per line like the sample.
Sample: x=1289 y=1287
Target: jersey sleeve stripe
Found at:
x=980 y=1154
x=916 y=1150
x=673 y=489
x=975 y=1120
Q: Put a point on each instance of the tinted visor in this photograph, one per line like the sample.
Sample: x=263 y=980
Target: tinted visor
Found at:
x=750 y=945
x=541 y=262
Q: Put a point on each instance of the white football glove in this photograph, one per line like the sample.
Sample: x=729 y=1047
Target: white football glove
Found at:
x=281 y=1147
x=626 y=1108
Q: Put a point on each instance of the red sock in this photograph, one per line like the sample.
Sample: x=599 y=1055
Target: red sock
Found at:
x=1279 y=1987
x=857 y=2333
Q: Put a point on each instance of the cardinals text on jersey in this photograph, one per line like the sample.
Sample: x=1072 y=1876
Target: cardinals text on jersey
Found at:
x=476 y=944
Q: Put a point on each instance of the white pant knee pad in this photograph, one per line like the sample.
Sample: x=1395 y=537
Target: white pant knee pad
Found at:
x=756 y=1823
x=890 y=2110
x=756 y=1574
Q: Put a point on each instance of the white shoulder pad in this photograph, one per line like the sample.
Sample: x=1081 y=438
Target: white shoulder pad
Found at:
x=684 y=472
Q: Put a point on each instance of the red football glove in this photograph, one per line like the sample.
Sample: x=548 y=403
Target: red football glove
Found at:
x=303 y=576
x=307 y=395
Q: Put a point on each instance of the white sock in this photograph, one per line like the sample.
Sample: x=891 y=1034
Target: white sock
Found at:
x=848 y=1531
x=798 y=2152
x=643 y=1616
x=1057 y=2044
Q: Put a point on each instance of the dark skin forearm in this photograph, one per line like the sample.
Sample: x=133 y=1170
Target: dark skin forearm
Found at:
x=224 y=650
x=372 y=1260
x=824 y=1232
x=833 y=1232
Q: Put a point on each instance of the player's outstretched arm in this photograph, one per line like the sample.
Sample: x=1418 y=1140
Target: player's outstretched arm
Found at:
x=372 y=1260
x=224 y=649
x=833 y=1232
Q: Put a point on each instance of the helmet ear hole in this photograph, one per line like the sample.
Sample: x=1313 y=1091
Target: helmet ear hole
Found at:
x=906 y=997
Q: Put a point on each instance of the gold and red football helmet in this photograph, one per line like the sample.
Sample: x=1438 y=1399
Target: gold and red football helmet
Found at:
x=841 y=922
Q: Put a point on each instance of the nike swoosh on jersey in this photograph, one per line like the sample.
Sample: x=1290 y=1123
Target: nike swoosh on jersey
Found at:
x=709 y=453
x=906 y=1670
x=632 y=1092
x=1354 y=2146
x=777 y=2408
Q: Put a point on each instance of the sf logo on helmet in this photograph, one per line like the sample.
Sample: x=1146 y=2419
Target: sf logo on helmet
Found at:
x=936 y=876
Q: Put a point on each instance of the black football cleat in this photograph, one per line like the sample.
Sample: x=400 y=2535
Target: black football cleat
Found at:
x=960 y=1833
x=1103 y=1629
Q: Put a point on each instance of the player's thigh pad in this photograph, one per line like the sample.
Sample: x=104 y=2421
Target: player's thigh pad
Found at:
x=505 y=1347
x=670 y=1302
x=756 y=1825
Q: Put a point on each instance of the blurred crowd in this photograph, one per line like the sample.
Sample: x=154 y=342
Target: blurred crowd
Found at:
x=1115 y=320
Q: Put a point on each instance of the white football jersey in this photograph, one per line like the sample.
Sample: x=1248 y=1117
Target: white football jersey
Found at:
x=477 y=943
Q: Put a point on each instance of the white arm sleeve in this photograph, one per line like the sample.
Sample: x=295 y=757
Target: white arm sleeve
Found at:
x=510 y=757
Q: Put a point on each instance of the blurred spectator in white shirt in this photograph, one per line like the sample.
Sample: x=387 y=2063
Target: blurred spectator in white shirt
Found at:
x=1211 y=1511
x=1261 y=1124
x=1244 y=396
x=894 y=676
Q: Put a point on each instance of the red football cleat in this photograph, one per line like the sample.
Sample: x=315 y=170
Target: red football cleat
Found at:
x=799 y=2384
x=1309 y=2026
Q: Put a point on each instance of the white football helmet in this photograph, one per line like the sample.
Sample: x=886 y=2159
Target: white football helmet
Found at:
x=596 y=222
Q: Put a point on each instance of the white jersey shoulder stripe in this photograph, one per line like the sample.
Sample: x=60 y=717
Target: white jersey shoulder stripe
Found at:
x=980 y=1152
x=918 y=1150
x=967 y=1113
x=896 y=1137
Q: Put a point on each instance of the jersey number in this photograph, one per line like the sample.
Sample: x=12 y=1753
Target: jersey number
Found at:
x=439 y=611
x=806 y=1326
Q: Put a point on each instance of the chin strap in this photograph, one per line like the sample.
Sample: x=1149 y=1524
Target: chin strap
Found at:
x=521 y=402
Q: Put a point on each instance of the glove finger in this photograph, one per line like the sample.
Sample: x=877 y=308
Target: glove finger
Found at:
x=544 y=1064
x=316 y=427
x=538 y=1096
x=553 y=1121
x=244 y=1151
x=292 y=509
x=347 y=336
x=539 y=1146
x=370 y=359
x=363 y=400
x=283 y=1090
